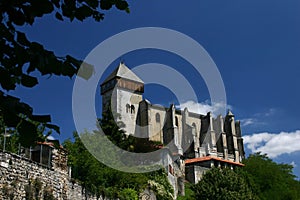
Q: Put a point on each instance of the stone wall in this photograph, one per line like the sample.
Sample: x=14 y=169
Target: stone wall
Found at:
x=21 y=177
x=194 y=173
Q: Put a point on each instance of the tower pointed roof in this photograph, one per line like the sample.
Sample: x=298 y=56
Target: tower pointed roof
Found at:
x=230 y=114
x=122 y=71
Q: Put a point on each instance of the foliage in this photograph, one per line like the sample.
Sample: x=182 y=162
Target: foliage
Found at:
x=8 y=191
x=114 y=131
x=29 y=194
x=102 y=180
x=223 y=184
x=95 y=176
x=48 y=193
x=272 y=180
x=128 y=194
x=189 y=193
x=261 y=178
x=11 y=143
x=20 y=58
x=13 y=139
x=160 y=185
x=33 y=189
x=37 y=186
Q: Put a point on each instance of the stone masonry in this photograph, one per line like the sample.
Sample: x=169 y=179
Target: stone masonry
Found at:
x=18 y=174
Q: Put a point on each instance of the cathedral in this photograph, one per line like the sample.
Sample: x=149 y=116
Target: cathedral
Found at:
x=201 y=141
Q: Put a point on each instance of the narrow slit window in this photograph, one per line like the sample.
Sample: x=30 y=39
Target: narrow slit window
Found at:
x=132 y=109
x=157 y=117
x=127 y=108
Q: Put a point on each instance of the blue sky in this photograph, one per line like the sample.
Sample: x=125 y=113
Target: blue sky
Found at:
x=255 y=45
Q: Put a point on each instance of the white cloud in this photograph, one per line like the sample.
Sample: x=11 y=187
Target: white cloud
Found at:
x=204 y=107
x=247 y=121
x=293 y=164
x=270 y=112
x=50 y=137
x=251 y=122
x=258 y=119
x=273 y=144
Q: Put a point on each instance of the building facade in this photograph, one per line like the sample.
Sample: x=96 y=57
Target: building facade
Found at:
x=200 y=141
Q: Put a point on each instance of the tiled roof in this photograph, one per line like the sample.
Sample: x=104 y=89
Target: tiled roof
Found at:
x=207 y=158
x=122 y=71
x=51 y=144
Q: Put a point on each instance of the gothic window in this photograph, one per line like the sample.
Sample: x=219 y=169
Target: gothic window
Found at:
x=132 y=109
x=127 y=108
x=157 y=117
x=176 y=121
x=171 y=170
x=194 y=126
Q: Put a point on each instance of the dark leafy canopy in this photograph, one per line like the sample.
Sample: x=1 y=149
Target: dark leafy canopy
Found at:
x=261 y=178
x=223 y=184
x=19 y=57
x=114 y=132
x=102 y=180
x=272 y=180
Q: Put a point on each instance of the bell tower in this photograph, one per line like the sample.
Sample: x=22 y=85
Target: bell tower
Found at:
x=122 y=91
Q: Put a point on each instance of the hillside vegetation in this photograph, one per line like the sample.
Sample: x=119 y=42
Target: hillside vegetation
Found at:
x=261 y=178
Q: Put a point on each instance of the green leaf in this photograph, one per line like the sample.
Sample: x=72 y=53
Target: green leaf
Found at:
x=28 y=11
x=6 y=81
x=59 y=16
x=105 y=4
x=36 y=47
x=22 y=108
x=28 y=81
x=17 y=17
x=54 y=64
x=28 y=133
x=68 y=69
x=41 y=118
x=54 y=127
x=46 y=6
x=93 y=3
x=83 y=12
x=56 y=3
x=66 y=11
x=32 y=67
x=71 y=4
x=121 y=5
x=86 y=70
x=21 y=56
x=98 y=16
x=74 y=61
x=127 y=10
x=21 y=38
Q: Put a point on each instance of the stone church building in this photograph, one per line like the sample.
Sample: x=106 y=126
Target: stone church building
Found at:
x=201 y=141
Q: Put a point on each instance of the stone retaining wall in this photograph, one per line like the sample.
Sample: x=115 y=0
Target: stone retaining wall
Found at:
x=20 y=178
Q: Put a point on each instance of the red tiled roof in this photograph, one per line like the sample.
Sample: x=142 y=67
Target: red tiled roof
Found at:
x=46 y=143
x=206 y=158
x=49 y=144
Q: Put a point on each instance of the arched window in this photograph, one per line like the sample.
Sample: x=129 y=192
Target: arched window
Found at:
x=176 y=121
x=132 y=109
x=157 y=117
x=127 y=108
x=194 y=126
